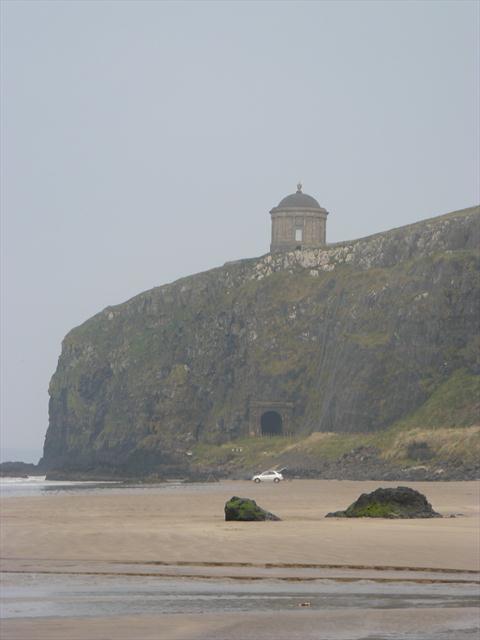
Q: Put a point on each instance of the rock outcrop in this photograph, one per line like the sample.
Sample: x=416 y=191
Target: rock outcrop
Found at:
x=355 y=336
x=246 y=510
x=19 y=469
x=400 y=502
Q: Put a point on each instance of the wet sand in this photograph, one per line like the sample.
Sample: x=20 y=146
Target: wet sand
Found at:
x=182 y=529
x=186 y=523
x=427 y=624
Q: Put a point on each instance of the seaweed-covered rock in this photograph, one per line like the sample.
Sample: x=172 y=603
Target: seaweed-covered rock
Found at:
x=399 y=502
x=245 y=509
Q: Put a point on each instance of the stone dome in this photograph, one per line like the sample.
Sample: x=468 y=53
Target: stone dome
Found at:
x=298 y=222
x=298 y=200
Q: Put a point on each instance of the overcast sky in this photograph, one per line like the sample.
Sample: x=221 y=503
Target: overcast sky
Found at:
x=145 y=141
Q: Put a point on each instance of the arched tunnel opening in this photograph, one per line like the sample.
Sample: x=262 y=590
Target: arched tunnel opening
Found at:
x=271 y=424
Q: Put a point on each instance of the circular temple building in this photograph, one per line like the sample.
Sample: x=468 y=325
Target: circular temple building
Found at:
x=298 y=222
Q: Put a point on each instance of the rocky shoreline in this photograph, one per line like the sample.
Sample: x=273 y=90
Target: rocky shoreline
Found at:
x=19 y=469
x=344 y=469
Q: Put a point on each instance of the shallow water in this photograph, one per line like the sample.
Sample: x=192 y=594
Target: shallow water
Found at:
x=37 y=485
x=40 y=595
x=454 y=634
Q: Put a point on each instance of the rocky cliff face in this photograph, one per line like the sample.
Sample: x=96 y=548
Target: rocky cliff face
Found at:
x=356 y=335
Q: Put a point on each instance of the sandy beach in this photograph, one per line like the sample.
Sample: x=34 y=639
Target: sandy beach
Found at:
x=179 y=532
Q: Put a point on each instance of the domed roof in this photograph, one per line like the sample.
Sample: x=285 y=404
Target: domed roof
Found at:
x=298 y=200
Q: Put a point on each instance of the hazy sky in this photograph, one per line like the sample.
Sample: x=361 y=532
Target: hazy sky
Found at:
x=144 y=141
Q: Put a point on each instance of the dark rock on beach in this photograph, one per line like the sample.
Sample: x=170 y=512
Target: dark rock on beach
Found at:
x=245 y=509
x=399 y=502
x=19 y=469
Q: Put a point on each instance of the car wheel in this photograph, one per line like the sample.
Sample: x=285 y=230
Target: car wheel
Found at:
x=276 y=479
x=257 y=480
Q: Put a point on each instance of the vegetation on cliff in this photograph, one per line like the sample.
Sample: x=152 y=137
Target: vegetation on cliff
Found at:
x=375 y=342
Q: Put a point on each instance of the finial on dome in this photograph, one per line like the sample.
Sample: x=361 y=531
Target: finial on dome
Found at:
x=299 y=187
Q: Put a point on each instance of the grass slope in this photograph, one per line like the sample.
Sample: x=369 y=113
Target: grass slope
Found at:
x=444 y=430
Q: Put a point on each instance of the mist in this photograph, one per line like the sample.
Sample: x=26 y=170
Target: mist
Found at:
x=145 y=141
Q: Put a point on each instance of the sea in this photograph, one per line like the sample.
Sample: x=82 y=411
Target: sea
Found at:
x=38 y=485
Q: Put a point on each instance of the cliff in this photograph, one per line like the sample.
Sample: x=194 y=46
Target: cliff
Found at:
x=356 y=336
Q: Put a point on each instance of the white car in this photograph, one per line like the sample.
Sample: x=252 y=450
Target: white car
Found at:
x=268 y=476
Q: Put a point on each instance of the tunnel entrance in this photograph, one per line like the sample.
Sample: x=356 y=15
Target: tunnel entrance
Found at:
x=271 y=424
x=270 y=418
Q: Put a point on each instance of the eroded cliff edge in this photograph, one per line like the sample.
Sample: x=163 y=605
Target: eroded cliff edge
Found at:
x=357 y=336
